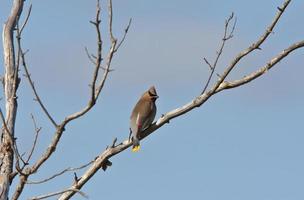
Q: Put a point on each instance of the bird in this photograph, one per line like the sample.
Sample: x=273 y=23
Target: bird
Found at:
x=142 y=116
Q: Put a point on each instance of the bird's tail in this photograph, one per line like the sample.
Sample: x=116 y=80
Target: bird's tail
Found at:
x=136 y=145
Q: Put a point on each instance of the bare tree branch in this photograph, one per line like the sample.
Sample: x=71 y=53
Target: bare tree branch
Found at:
x=250 y=77
x=90 y=56
x=98 y=59
x=37 y=98
x=253 y=47
x=5 y=126
x=125 y=34
x=225 y=38
x=10 y=86
x=96 y=88
x=19 y=157
x=12 y=144
x=26 y=19
x=110 y=10
x=58 y=193
x=21 y=55
x=37 y=130
x=69 y=169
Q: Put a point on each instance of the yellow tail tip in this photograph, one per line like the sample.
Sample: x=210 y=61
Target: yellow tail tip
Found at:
x=136 y=148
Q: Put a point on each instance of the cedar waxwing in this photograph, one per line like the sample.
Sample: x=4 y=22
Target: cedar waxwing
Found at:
x=142 y=115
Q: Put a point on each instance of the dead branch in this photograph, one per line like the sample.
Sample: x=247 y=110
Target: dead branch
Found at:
x=69 y=169
x=26 y=19
x=12 y=143
x=253 y=47
x=58 y=193
x=262 y=70
x=110 y=10
x=125 y=34
x=90 y=56
x=37 y=97
x=19 y=157
x=225 y=38
x=10 y=83
x=37 y=130
x=97 y=87
x=7 y=131
x=21 y=54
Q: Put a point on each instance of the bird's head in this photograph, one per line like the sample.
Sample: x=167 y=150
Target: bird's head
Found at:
x=152 y=93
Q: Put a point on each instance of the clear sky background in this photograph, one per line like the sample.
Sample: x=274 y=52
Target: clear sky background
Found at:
x=245 y=143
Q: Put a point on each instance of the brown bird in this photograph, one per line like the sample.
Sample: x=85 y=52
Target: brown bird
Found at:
x=142 y=116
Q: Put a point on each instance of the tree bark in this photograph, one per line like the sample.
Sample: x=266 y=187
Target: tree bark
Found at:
x=10 y=82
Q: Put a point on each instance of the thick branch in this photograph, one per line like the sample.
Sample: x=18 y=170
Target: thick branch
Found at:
x=10 y=87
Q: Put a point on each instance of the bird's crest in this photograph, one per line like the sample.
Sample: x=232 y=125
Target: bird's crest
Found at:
x=152 y=92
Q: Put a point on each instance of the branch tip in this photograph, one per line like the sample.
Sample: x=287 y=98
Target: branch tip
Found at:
x=280 y=9
x=75 y=178
x=113 y=143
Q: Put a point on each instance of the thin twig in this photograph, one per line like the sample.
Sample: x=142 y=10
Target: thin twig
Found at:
x=18 y=37
x=90 y=56
x=19 y=157
x=69 y=169
x=99 y=55
x=58 y=193
x=208 y=63
x=26 y=19
x=111 y=51
x=35 y=92
x=114 y=142
x=124 y=36
x=225 y=38
x=22 y=55
x=37 y=130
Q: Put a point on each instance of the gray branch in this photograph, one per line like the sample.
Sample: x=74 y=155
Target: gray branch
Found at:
x=10 y=87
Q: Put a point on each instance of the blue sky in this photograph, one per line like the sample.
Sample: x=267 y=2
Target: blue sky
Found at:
x=246 y=143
